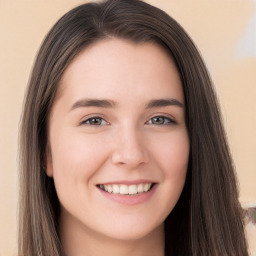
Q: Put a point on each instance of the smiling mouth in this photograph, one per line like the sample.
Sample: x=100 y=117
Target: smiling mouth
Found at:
x=122 y=189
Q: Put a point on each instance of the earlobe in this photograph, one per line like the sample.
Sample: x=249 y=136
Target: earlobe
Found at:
x=48 y=160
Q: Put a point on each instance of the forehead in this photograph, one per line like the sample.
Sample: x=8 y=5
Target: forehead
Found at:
x=112 y=65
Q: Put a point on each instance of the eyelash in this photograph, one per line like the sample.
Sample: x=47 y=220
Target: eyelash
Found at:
x=89 y=120
x=166 y=121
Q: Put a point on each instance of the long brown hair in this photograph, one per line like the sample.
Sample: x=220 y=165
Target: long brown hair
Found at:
x=207 y=219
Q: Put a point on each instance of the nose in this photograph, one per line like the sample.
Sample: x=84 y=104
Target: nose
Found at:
x=130 y=149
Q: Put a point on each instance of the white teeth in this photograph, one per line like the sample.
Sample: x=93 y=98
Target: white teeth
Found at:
x=116 y=189
x=146 y=187
x=110 y=188
x=132 y=190
x=126 y=189
x=140 y=188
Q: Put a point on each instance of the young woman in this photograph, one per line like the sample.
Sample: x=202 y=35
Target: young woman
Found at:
x=122 y=146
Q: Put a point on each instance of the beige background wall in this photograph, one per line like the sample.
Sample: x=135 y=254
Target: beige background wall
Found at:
x=225 y=32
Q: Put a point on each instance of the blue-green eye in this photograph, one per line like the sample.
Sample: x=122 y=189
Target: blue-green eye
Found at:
x=96 y=121
x=161 y=120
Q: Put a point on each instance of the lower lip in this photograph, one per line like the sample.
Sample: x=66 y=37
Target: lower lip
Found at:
x=130 y=199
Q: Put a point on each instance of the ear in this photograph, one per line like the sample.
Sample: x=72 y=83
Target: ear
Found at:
x=48 y=160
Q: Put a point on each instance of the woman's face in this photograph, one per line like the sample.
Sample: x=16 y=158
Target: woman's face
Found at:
x=118 y=145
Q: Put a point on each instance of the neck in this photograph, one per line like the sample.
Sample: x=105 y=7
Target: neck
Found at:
x=87 y=242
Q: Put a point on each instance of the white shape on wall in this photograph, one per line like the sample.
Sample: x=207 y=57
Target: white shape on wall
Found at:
x=246 y=47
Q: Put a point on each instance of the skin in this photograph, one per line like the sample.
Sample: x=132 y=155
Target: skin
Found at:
x=125 y=144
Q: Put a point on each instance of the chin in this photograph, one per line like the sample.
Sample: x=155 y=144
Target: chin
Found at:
x=133 y=232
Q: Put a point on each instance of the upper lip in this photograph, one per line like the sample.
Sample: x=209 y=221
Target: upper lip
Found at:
x=128 y=182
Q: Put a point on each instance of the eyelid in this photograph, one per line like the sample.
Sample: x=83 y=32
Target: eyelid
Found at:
x=91 y=116
x=100 y=116
x=165 y=116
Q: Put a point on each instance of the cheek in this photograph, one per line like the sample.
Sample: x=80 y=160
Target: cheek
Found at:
x=172 y=153
x=171 y=156
x=76 y=157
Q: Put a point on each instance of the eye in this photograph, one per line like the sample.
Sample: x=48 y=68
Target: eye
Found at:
x=161 y=120
x=96 y=121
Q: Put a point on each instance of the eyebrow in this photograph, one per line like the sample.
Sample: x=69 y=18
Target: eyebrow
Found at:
x=94 y=103
x=164 y=103
x=103 y=103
